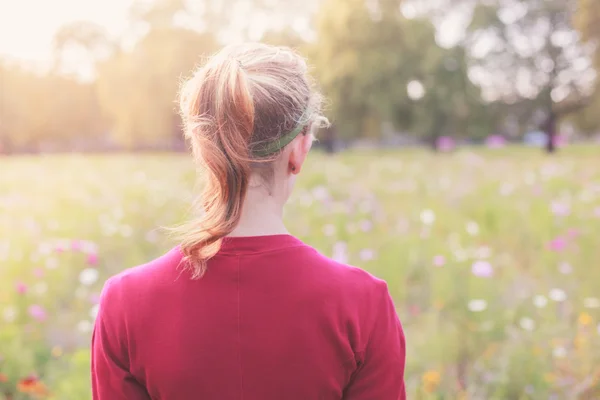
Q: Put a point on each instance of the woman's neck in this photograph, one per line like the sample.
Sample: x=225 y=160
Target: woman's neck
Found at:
x=262 y=215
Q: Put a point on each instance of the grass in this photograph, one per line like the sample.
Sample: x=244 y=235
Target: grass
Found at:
x=491 y=257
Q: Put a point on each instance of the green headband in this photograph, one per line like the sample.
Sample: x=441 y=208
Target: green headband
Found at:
x=278 y=144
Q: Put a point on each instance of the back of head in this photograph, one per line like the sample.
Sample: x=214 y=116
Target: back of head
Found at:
x=239 y=111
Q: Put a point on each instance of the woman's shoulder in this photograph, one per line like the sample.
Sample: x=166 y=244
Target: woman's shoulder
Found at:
x=136 y=278
x=347 y=278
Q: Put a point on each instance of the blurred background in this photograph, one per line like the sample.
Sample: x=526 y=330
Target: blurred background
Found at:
x=462 y=166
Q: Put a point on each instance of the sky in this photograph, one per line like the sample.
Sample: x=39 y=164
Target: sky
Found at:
x=28 y=26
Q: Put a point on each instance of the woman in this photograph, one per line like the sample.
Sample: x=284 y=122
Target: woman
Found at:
x=242 y=309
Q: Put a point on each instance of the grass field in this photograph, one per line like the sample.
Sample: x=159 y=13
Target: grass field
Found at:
x=492 y=257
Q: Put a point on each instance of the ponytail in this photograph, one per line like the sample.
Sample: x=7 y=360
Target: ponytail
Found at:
x=239 y=111
x=220 y=117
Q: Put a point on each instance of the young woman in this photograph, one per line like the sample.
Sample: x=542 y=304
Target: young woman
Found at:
x=242 y=309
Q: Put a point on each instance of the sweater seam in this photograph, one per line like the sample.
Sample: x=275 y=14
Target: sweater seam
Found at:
x=239 y=323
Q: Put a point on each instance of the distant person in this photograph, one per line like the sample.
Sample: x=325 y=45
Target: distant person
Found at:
x=241 y=309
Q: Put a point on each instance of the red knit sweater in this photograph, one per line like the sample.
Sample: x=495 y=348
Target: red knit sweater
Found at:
x=272 y=319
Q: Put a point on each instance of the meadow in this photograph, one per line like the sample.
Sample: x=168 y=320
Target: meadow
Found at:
x=492 y=257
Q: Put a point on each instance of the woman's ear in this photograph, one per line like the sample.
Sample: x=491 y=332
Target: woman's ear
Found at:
x=300 y=148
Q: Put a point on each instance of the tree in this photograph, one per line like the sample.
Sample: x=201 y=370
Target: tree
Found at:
x=367 y=72
x=528 y=50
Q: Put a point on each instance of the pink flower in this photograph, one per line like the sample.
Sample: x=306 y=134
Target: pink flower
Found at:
x=38 y=272
x=495 y=141
x=560 y=209
x=572 y=233
x=445 y=143
x=439 y=261
x=597 y=212
x=37 y=312
x=558 y=244
x=92 y=259
x=482 y=269
x=76 y=245
x=21 y=288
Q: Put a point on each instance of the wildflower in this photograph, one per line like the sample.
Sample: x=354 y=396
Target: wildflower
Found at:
x=482 y=269
x=366 y=225
x=3 y=378
x=32 y=385
x=37 y=312
x=495 y=141
x=558 y=244
x=76 y=245
x=84 y=326
x=527 y=324
x=559 y=352
x=10 y=314
x=472 y=228
x=57 y=351
x=94 y=311
x=427 y=217
x=21 y=288
x=540 y=301
x=584 y=319
x=591 y=302
x=92 y=259
x=477 y=305
x=88 y=276
x=38 y=273
x=367 y=254
x=565 y=268
x=557 y=295
x=560 y=209
x=340 y=252
x=431 y=379
x=439 y=261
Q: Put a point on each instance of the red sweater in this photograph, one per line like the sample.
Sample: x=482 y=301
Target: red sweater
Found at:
x=272 y=319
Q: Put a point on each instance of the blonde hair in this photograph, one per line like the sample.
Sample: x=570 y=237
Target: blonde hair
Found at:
x=239 y=110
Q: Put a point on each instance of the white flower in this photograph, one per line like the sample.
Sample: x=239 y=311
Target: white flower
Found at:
x=10 y=314
x=565 y=268
x=51 y=263
x=506 y=189
x=94 y=311
x=477 y=305
x=40 y=288
x=320 y=193
x=427 y=217
x=329 y=230
x=84 y=326
x=559 y=352
x=527 y=324
x=88 y=276
x=472 y=228
x=367 y=254
x=540 y=301
x=591 y=302
x=557 y=295
x=340 y=252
